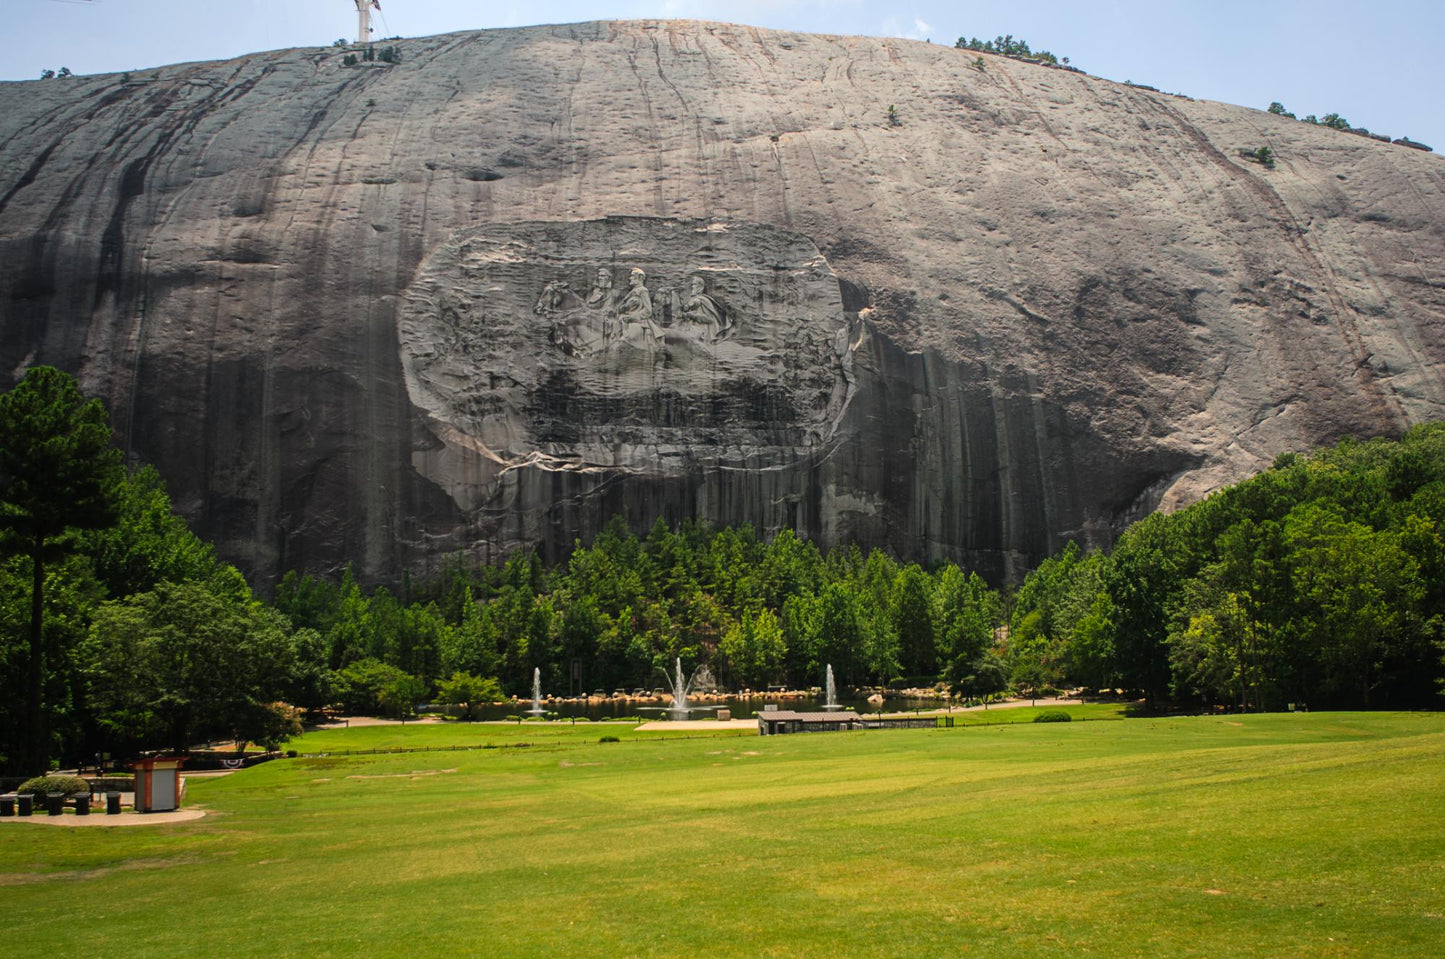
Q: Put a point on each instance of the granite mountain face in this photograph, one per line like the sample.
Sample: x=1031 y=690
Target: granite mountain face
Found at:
x=525 y=280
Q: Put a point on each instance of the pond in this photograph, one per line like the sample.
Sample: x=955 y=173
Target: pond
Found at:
x=741 y=708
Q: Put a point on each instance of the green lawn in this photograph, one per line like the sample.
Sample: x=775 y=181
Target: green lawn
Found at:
x=1280 y=835
x=539 y=734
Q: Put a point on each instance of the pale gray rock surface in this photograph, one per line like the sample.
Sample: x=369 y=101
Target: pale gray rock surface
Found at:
x=344 y=310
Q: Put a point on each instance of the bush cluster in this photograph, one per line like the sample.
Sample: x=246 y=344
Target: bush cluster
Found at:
x=1009 y=47
x=42 y=785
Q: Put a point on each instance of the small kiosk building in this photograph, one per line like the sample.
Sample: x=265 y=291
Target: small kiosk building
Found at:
x=158 y=784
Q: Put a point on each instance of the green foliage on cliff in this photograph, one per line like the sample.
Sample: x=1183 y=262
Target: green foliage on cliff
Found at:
x=1336 y=122
x=1320 y=581
x=1006 y=46
x=1261 y=155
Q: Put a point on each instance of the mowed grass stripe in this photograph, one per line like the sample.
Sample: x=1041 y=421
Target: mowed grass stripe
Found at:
x=1263 y=835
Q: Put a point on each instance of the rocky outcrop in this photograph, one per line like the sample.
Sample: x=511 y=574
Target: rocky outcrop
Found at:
x=381 y=313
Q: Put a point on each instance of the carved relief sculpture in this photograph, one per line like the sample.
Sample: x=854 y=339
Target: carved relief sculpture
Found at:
x=518 y=371
x=635 y=323
x=703 y=310
x=601 y=296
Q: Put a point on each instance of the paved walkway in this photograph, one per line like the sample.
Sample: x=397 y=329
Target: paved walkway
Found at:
x=99 y=818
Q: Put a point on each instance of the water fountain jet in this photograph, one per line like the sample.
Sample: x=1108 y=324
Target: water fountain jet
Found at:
x=536 y=709
x=679 y=690
x=830 y=691
x=679 y=708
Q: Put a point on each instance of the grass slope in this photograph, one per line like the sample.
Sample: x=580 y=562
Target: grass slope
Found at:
x=1267 y=835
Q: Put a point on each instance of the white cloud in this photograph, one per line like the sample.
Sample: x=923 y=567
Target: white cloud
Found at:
x=920 y=29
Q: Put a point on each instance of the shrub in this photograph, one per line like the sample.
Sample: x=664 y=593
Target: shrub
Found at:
x=1007 y=46
x=1053 y=716
x=609 y=739
x=1263 y=155
x=70 y=785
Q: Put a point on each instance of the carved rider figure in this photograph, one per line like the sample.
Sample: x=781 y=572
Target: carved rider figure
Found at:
x=705 y=311
x=554 y=297
x=634 y=313
x=602 y=292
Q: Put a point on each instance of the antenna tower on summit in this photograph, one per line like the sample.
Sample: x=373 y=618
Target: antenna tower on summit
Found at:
x=363 y=19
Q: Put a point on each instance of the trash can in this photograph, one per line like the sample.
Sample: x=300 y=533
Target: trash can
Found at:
x=25 y=803
x=112 y=803
x=7 y=805
x=54 y=804
x=82 y=805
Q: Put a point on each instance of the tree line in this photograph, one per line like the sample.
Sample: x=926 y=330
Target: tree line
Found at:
x=121 y=630
x=1007 y=46
x=618 y=612
x=1336 y=122
x=1320 y=581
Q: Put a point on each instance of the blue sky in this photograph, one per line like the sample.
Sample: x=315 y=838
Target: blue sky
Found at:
x=1377 y=63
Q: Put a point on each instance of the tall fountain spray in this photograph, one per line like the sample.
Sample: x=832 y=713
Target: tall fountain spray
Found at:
x=536 y=709
x=682 y=684
x=830 y=692
x=679 y=690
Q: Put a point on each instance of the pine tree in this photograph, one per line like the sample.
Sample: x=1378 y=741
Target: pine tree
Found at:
x=58 y=474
